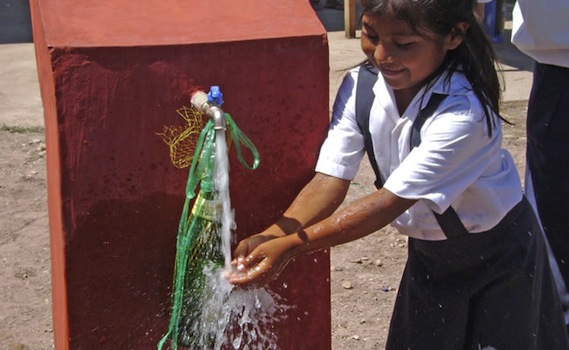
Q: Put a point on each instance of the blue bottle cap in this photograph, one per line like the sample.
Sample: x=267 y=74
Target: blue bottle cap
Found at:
x=215 y=96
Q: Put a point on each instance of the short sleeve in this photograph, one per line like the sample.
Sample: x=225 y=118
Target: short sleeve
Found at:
x=343 y=149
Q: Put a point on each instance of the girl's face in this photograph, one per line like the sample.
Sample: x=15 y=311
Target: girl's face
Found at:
x=404 y=58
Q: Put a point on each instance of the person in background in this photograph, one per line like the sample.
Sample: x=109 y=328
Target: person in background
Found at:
x=540 y=29
x=477 y=274
x=479 y=9
x=334 y=4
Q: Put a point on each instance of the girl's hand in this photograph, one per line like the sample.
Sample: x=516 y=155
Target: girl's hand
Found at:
x=247 y=245
x=263 y=264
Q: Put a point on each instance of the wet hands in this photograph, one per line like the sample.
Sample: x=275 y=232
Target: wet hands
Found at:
x=259 y=260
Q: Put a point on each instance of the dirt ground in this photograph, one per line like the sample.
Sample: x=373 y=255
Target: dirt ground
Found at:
x=365 y=274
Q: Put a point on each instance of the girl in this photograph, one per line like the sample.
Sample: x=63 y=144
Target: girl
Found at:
x=477 y=275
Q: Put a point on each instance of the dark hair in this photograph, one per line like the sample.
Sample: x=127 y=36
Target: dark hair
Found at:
x=475 y=56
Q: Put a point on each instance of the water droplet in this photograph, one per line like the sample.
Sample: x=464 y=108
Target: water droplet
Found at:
x=236 y=342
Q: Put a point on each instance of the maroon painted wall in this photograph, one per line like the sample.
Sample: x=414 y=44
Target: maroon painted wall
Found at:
x=112 y=74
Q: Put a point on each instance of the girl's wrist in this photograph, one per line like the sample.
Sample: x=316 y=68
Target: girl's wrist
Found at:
x=273 y=231
x=296 y=243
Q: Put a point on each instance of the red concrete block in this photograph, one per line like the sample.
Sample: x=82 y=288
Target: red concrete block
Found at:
x=112 y=74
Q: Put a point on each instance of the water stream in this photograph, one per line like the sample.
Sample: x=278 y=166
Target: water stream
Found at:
x=240 y=318
x=221 y=181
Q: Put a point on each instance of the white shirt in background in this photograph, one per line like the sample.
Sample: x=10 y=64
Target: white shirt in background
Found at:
x=540 y=29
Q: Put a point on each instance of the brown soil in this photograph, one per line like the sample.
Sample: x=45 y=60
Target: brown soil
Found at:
x=365 y=273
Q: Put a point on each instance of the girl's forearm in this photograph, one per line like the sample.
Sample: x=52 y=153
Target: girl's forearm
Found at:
x=317 y=201
x=357 y=220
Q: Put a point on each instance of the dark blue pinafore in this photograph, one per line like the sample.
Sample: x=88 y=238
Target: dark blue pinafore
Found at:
x=484 y=290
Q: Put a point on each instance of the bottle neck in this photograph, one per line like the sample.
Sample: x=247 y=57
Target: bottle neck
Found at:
x=206 y=206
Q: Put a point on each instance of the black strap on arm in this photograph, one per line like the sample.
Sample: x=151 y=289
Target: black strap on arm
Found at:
x=364 y=99
x=422 y=116
x=448 y=221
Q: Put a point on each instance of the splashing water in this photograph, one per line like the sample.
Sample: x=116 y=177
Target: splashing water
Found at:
x=237 y=318
x=242 y=318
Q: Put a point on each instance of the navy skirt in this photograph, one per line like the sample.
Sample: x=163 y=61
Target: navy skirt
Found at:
x=489 y=290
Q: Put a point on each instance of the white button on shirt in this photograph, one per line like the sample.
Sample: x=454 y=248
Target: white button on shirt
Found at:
x=457 y=162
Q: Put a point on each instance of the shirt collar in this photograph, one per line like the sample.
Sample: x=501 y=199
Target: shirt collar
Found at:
x=456 y=84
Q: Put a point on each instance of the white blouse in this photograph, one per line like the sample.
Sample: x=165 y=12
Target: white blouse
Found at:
x=457 y=162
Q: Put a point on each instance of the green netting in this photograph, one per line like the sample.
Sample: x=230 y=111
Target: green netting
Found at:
x=198 y=246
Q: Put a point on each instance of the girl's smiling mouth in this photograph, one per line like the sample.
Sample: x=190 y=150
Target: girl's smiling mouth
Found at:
x=390 y=72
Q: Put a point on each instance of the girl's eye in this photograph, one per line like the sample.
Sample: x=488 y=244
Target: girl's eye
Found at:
x=370 y=37
x=404 y=45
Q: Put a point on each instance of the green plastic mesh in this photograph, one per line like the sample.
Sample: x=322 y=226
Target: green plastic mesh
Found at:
x=198 y=246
